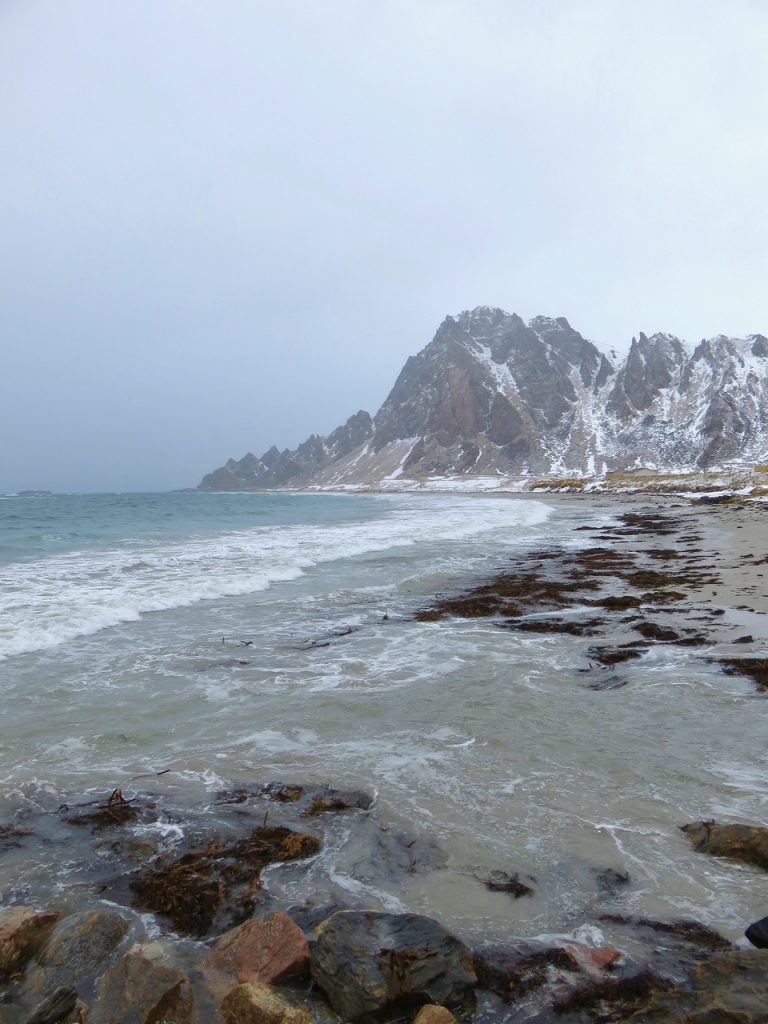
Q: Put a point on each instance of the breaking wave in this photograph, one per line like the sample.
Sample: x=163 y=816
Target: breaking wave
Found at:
x=46 y=602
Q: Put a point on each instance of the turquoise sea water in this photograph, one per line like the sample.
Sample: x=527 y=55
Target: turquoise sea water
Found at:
x=74 y=565
x=248 y=637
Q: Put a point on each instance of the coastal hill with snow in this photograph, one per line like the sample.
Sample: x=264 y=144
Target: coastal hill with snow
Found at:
x=493 y=396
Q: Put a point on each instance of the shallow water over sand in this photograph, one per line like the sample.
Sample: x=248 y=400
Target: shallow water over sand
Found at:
x=487 y=741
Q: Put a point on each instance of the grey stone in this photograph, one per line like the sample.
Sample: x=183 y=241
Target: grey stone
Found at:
x=374 y=966
x=77 y=950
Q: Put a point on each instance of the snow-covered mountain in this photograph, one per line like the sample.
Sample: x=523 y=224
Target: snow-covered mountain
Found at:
x=493 y=395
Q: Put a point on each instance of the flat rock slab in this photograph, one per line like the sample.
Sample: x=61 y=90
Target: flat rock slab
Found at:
x=375 y=966
x=747 y=843
x=22 y=931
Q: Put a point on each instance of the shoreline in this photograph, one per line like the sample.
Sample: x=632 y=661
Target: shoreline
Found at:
x=645 y=569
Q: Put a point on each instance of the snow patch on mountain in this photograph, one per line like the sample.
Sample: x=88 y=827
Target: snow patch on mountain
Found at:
x=493 y=397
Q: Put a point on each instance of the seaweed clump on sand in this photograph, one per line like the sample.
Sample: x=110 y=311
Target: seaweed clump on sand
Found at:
x=551 y=579
x=190 y=890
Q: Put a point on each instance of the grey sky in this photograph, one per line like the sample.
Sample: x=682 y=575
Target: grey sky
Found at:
x=226 y=223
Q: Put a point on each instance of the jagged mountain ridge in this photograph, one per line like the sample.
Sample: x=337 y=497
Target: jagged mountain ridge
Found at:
x=494 y=395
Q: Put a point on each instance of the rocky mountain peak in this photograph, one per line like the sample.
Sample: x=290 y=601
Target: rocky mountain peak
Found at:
x=652 y=364
x=492 y=394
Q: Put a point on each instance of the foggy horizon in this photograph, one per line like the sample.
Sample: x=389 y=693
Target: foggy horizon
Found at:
x=227 y=227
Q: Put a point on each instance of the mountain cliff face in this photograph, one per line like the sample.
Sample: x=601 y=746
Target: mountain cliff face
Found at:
x=492 y=395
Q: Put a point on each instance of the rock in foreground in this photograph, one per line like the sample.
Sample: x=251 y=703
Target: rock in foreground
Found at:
x=257 y=1003
x=747 y=843
x=731 y=989
x=268 y=949
x=375 y=966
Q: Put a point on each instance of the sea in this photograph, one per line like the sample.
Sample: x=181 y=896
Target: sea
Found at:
x=179 y=644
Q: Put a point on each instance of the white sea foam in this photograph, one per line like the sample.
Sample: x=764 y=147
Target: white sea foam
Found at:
x=47 y=602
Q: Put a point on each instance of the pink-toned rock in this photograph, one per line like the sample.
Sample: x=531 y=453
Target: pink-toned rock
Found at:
x=22 y=931
x=257 y=1003
x=592 y=960
x=268 y=949
x=431 y=1013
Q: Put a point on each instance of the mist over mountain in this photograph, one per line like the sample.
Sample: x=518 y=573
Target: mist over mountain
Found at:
x=494 y=395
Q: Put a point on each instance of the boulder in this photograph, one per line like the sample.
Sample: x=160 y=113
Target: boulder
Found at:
x=747 y=843
x=431 y=1013
x=76 y=950
x=757 y=933
x=22 y=931
x=374 y=965
x=139 y=991
x=257 y=1003
x=729 y=989
x=268 y=949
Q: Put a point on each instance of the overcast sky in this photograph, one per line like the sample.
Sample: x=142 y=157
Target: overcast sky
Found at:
x=225 y=224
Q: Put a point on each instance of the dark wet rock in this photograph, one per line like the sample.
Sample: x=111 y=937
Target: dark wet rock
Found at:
x=135 y=849
x=500 y=881
x=652 y=631
x=619 y=604
x=338 y=800
x=746 y=843
x=699 y=640
x=269 y=949
x=284 y=793
x=59 y=1006
x=753 y=668
x=609 y=879
x=757 y=933
x=11 y=836
x=613 y=655
x=190 y=889
x=258 y=1003
x=139 y=991
x=612 y=999
x=747 y=639
x=713 y=499
x=609 y=683
x=513 y=971
x=375 y=966
x=78 y=948
x=728 y=989
x=309 y=801
x=691 y=933
x=574 y=627
x=23 y=930
x=377 y=852
x=662 y=596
